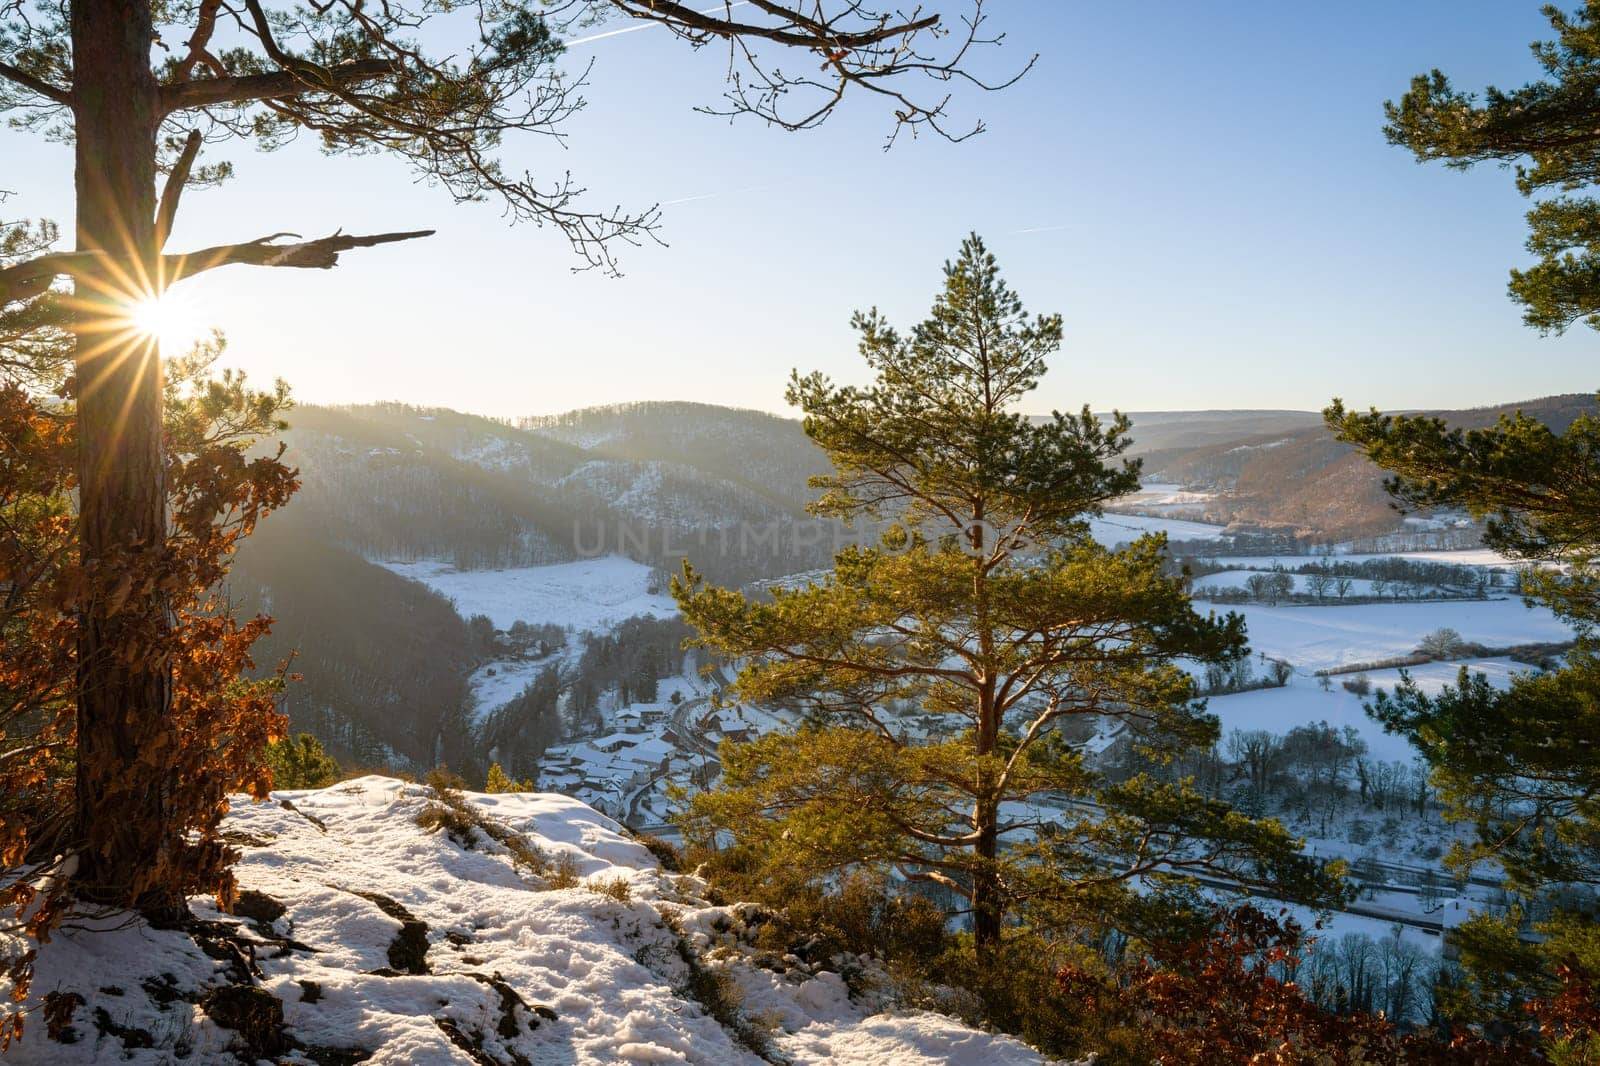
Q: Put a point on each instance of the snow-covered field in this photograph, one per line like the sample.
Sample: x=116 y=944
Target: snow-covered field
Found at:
x=1114 y=529
x=589 y=594
x=1166 y=498
x=1238 y=579
x=1317 y=637
x=1453 y=556
x=397 y=946
x=491 y=691
x=1302 y=701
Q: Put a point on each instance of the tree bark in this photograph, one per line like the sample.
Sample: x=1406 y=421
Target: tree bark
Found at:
x=988 y=903
x=124 y=812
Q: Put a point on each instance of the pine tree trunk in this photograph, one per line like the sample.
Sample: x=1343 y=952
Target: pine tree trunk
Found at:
x=125 y=821
x=988 y=904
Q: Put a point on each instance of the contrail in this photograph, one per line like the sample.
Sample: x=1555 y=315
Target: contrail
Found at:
x=714 y=195
x=1041 y=229
x=645 y=25
x=690 y=199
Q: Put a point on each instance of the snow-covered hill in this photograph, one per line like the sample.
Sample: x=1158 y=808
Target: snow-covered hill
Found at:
x=521 y=929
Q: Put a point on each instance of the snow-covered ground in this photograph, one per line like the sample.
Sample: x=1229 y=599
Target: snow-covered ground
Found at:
x=395 y=945
x=1453 y=556
x=1320 y=637
x=1114 y=529
x=1302 y=701
x=588 y=594
x=498 y=683
x=1166 y=498
x=1238 y=579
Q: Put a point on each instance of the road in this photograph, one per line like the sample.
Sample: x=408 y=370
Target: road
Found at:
x=691 y=741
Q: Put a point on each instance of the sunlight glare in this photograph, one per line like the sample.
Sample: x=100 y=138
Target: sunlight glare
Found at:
x=169 y=319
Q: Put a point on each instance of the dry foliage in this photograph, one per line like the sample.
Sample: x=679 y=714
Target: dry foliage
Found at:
x=1231 y=998
x=212 y=742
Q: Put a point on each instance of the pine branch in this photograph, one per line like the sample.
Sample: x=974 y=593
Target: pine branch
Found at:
x=36 y=85
x=280 y=84
x=205 y=26
x=168 y=210
x=810 y=33
x=26 y=280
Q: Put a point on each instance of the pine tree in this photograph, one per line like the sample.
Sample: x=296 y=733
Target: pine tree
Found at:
x=499 y=781
x=300 y=762
x=439 y=85
x=1550 y=131
x=1520 y=766
x=987 y=606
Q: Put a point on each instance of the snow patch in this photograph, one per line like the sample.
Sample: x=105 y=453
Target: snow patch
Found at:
x=593 y=972
x=589 y=595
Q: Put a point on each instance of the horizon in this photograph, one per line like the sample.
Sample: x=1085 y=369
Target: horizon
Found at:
x=782 y=413
x=1223 y=227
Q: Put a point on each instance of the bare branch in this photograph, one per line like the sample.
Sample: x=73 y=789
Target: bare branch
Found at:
x=859 y=45
x=808 y=32
x=205 y=26
x=32 y=278
x=168 y=210
x=319 y=254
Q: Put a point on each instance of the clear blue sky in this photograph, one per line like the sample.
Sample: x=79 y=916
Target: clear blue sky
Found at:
x=1202 y=189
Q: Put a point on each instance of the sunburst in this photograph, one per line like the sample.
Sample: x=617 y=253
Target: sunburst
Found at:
x=170 y=319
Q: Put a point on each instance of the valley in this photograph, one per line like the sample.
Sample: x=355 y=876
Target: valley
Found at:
x=549 y=546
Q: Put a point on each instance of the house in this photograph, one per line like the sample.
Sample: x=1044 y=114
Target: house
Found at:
x=652 y=754
x=630 y=719
x=613 y=742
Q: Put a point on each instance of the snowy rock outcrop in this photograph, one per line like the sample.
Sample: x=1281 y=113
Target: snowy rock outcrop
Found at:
x=380 y=924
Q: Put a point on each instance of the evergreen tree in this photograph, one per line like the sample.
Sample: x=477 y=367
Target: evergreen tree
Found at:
x=300 y=762
x=1550 y=130
x=499 y=781
x=439 y=85
x=988 y=606
x=1520 y=766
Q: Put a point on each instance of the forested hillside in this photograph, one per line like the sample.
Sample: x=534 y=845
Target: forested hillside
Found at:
x=383 y=661
x=1274 y=472
x=766 y=454
x=386 y=662
x=653 y=483
x=660 y=481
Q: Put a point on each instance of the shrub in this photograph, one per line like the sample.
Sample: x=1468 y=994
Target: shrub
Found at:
x=1443 y=643
x=618 y=888
x=1361 y=685
x=564 y=874
x=665 y=852
x=1230 y=997
x=464 y=822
